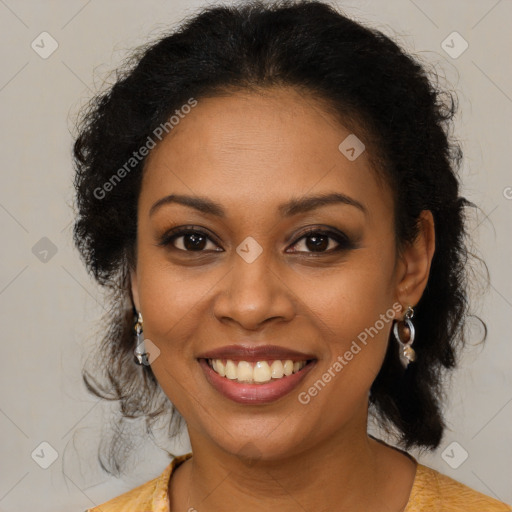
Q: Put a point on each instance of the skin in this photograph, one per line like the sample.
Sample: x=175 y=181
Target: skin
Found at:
x=250 y=152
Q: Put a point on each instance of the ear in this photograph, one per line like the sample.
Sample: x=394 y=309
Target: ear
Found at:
x=134 y=288
x=415 y=262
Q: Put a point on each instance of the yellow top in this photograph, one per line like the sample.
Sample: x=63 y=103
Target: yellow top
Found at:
x=431 y=492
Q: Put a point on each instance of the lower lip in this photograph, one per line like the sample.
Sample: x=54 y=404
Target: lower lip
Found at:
x=254 y=394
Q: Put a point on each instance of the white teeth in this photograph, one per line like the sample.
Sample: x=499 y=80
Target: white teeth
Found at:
x=221 y=369
x=277 y=370
x=231 y=370
x=245 y=371
x=259 y=372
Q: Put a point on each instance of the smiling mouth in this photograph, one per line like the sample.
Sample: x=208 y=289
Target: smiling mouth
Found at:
x=257 y=372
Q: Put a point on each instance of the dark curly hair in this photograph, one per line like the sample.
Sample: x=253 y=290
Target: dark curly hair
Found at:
x=373 y=87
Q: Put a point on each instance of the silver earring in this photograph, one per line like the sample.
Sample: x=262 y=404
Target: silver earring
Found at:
x=141 y=356
x=406 y=352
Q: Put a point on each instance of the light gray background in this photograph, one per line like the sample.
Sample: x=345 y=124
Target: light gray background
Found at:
x=50 y=310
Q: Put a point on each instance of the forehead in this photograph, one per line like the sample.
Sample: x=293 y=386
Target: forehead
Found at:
x=260 y=149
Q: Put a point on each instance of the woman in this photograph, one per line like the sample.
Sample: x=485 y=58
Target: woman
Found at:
x=271 y=194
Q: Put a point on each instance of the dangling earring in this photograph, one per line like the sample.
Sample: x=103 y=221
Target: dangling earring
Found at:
x=141 y=356
x=406 y=352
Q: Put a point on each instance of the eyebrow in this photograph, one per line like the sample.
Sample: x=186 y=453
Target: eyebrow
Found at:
x=288 y=209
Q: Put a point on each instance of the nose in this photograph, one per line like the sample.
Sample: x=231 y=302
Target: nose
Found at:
x=253 y=294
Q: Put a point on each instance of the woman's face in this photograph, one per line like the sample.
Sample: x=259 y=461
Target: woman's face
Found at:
x=256 y=279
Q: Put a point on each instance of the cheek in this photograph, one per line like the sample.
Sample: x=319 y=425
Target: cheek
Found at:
x=171 y=300
x=352 y=298
x=171 y=303
x=354 y=311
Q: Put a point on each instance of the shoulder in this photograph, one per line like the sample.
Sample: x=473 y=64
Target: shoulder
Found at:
x=151 y=496
x=434 y=491
x=135 y=500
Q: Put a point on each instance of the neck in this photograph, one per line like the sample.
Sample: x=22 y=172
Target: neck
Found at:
x=350 y=471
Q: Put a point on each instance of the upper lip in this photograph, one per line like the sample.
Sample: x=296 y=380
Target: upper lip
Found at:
x=255 y=353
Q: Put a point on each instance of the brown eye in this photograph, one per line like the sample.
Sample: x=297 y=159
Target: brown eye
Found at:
x=192 y=242
x=321 y=241
x=188 y=240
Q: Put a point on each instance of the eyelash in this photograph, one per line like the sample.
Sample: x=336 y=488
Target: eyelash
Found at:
x=343 y=241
